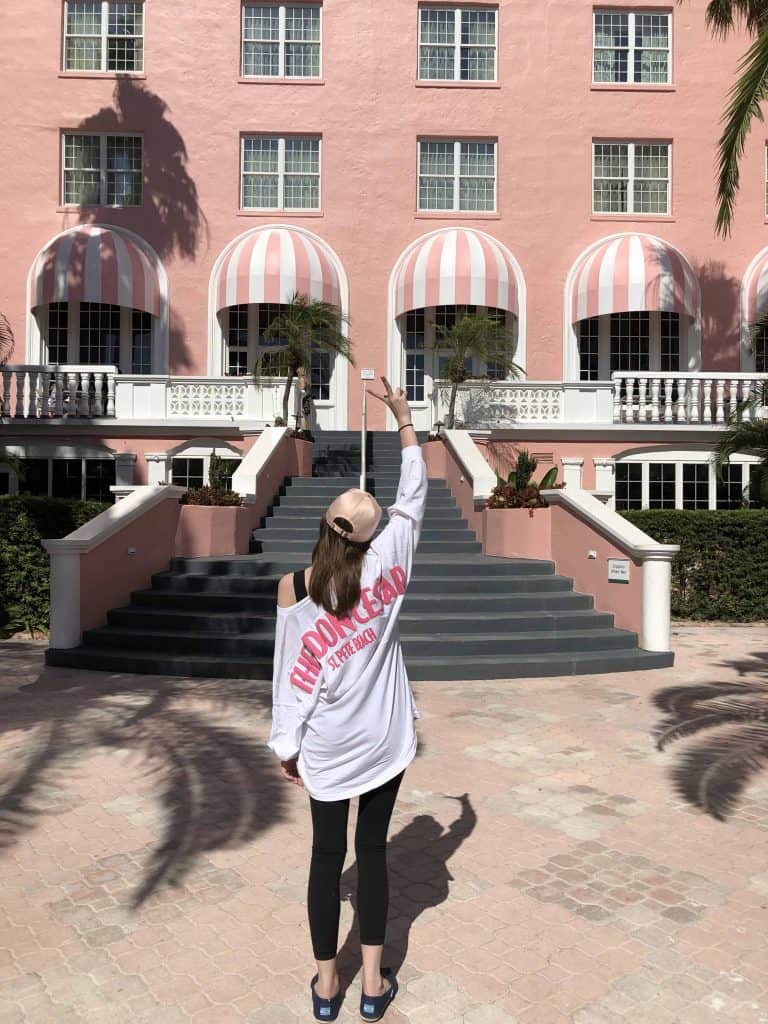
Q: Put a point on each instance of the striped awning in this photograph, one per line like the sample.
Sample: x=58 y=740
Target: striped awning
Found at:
x=456 y=267
x=632 y=273
x=92 y=263
x=270 y=265
x=757 y=292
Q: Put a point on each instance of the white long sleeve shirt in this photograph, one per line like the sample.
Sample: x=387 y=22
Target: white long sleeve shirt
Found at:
x=341 y=699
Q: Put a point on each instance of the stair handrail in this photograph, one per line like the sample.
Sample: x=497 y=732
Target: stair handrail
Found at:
x=363 y=432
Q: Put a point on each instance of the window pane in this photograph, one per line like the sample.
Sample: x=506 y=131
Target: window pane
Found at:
x=651 y=179
x=82 y=162
x=610 y=61
x=125 y=55
x=237 y=341
x=303 y=23
x=478 y=28
x=436 y=158
x=302 y=60
x=478 y=176
x=260 y=181
x=33 y=478
x=589 y=336
x=261 y=22
x=437 y=26
x=126 y=19
x=229 y=466
x=436 y=176
x=670 y=342
x=661 y=485
x=611 y=174
x=124 y=170
x=761 y=351
x=320 y=374
x=99 y=334
x=58 y=328
x=84 y=19
x=261 y=59
x=187 y=472
x=476 y=194
x=141 y=342
x=414 y=376
x=414 y=329
x=83 y=54
x=260 y=155
x=629 y=485
x=730 y=490
x=630 y=342
x=99 y=477
x=302 y=156
x=301 y=192
x=696 y=485
x=67 y=478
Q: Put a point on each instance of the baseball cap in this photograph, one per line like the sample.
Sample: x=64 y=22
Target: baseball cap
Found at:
x=360 y=509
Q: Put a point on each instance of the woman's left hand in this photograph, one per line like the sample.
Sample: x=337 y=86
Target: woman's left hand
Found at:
x=291 y=772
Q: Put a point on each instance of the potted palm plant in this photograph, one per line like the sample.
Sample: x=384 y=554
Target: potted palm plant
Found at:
x=306 y=325
x=516 y=520
x=213 y=520
x=485 y=338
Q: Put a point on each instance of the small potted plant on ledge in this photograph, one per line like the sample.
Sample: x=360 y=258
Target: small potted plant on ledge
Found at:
x=213 y=520
x=516 y=520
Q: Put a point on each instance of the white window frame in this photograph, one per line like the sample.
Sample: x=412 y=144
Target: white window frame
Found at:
x=630 y=211
x=631 y=36
x=105 y=37
x=457 y=45
x=457 y=144
x=103 y=136
x=50 y=459
x=281 y=140
x=281 y=43
x=73 y=338
x=654 y=356
x=204 y=452
x=680 y=459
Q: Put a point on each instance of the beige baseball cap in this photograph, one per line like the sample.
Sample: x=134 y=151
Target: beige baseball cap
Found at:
x=360 y=509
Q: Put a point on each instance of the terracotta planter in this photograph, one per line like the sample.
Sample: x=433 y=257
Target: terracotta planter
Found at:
x=517 y=532
x=211 y=530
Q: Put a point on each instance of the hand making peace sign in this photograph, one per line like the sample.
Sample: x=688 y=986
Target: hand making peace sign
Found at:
x=396 y=401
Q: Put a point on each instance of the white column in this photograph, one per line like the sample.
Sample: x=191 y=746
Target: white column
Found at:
x=65 y=598
x=572 y=471
x=655 y=634
x=124 y=463
x=605 y=471
x=157 y=467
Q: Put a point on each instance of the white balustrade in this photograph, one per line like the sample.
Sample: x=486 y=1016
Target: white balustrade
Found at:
x=43 y=392
x=687 y=398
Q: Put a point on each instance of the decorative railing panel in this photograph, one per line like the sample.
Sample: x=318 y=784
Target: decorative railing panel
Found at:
x=686 y=398
x=207 y=400
x=49 y=392
x=482 y=405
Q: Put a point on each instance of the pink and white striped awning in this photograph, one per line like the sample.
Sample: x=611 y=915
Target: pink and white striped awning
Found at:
x=271 y=265
x=757 y=292
x=632 y=273
x=92 y=263
x=456 y=267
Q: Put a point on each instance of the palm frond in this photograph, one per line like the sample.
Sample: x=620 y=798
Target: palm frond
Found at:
x=723 y=15
x=756 y=330
x=742 y=436
x=745 y=97
x=713 y=775
x=667 y=733
x=6 y=340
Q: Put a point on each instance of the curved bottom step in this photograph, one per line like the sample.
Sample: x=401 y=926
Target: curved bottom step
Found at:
x=419 y=669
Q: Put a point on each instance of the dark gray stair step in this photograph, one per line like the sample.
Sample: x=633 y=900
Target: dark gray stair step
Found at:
x=308 y=529
x=472 y=565
x=412 y=620
x=270 y=547
x=523 y=603
x=316 y=505
x=296 y=511
x=261 y=645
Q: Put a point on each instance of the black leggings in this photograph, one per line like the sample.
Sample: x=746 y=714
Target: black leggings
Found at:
x=329 y=848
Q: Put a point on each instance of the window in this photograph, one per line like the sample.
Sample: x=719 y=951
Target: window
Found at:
x=274 y=358
x=58 y=332
x=631 y=177
x=99 y=334
x=661 y=484
x=696 y=485
x=669 y=324
x=76 y=478
x=589 y=348
x=103 y=36
x=457 y=44
x=280 y=173
x=730 y=490
x=455 y=175
x=237 y=341
x=102 y=170
x=630 y=341
x=629 y=485
x=187 y=472
x=141 y=342
x=281 y=41
x=632 y=47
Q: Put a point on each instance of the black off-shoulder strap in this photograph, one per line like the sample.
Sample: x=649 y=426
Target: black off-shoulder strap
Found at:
x=299 y=585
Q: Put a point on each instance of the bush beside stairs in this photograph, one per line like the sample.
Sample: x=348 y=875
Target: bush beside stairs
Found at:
x=466 y=615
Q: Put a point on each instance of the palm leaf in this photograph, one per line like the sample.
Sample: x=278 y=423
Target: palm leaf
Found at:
x=6 y=340
x=742 y=435
x=745 y=97
x=666 y=733
x=714 y=774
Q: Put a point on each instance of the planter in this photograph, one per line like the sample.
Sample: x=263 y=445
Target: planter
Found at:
x=517 y=532
x=206 y=530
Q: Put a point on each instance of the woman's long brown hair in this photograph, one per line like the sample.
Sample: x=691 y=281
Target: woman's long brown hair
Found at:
x=336 y=567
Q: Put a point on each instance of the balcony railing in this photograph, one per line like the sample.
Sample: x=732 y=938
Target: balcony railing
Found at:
x=689 y=398
x=46 y=392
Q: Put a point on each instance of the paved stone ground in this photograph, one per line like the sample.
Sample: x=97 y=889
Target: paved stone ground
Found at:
x=544 y=866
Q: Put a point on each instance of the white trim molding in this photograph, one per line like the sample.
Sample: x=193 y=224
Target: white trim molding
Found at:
x=245 y=479
x=757 y=264
x=572 y=470
x=470 y=459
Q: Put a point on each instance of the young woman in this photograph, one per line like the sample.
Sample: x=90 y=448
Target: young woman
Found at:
x=342 y=718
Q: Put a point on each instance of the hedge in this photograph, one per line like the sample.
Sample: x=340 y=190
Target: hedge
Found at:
x=722 y=569
x=24 y=568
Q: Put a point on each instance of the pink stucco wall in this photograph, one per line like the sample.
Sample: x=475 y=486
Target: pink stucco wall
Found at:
x=210 y=531
x=442 y=465
x=370 y=111
x=517 y=532
x=111 y=572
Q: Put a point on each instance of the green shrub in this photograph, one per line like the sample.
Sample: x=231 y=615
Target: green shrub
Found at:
x=722 y=569
x=211 y=496
x=24 y=567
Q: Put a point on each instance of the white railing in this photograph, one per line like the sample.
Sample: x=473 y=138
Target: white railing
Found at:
x=43 y=392
x=689 y=398
x=152 y=397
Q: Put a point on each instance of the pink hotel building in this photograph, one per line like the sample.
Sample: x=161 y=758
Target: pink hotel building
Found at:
x=174 y=172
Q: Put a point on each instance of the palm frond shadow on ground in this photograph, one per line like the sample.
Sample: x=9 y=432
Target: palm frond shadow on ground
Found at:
x=712 y=774
x=417 y=857
x=217 y=785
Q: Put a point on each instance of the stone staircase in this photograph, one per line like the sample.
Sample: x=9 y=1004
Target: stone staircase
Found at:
x=466 y=615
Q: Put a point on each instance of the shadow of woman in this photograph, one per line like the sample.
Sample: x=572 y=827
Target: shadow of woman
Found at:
x=417 y=859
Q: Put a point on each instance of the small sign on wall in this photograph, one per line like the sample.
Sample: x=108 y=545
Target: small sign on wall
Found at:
x=618 y=570
x=367 y=375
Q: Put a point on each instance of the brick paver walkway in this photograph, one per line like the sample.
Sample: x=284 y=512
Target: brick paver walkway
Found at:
x=544 y=868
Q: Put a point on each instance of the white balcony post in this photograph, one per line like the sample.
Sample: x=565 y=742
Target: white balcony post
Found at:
x=65 y=599
x=655 y=387
x=21 y=380
x=572 y=471
x=157 y=467
x=605 y=472
x=656 y=632
x=124 y=464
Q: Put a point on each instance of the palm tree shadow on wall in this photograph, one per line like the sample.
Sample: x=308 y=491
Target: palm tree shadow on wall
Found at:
x=170 y=217
x=419 y=878
x=720 y=317
x=712 y=774
x=216 y=785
